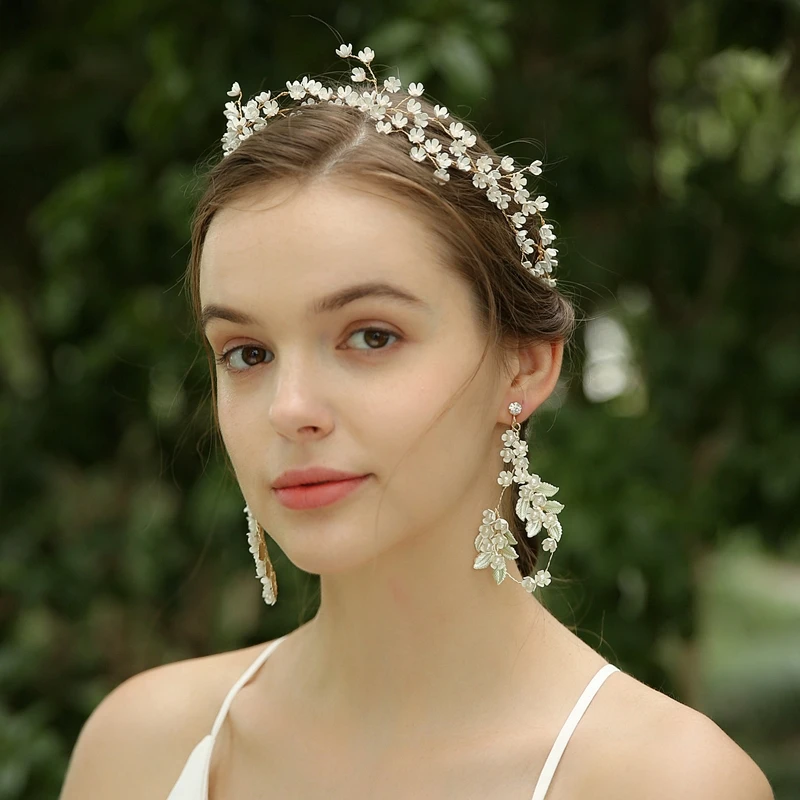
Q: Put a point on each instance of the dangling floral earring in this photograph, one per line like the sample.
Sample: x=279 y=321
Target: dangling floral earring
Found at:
x=495 y=541
x=264 y=569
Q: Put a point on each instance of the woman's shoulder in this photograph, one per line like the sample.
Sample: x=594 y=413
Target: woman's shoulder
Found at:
x=644 y=743
x=137 y=740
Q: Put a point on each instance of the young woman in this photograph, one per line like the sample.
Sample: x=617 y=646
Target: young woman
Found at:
x=377 y=288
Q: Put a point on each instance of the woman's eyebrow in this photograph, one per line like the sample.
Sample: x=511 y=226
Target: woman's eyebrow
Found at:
x=322 y=305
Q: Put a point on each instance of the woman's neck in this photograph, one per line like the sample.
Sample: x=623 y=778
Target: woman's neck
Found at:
x=419 y=639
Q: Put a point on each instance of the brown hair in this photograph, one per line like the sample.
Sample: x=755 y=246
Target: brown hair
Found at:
x=512 y=308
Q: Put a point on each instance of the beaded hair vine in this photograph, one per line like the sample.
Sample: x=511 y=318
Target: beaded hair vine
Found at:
x=502 y=180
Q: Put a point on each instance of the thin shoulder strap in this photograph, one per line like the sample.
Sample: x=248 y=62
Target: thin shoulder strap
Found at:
x=560 y=744
x=248 y=673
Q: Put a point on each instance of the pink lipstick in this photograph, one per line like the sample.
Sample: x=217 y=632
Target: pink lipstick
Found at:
x=300 y=498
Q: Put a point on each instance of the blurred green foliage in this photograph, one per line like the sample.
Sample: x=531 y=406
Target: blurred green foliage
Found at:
x=672 y=133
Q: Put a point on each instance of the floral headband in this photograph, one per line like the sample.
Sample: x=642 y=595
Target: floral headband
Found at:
x=502 y=180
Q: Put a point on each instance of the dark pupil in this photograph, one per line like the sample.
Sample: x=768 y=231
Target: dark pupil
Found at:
x=372 y=335
x=250 y=350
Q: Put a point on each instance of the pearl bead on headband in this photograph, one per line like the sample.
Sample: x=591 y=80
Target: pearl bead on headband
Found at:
x=503 y=182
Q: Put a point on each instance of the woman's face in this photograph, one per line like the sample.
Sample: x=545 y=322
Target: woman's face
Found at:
x=354 y=386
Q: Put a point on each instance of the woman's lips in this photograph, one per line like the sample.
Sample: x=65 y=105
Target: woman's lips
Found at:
x=300 y=498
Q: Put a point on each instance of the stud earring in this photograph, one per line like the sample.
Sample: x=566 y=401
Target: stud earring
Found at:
x=495 y=540
x=264 y=569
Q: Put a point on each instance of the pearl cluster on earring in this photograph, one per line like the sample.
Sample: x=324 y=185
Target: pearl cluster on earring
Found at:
x=495 y=540
x=264 y=569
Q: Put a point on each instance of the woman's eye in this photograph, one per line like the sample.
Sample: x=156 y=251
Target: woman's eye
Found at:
x=245 y=356
x=244 y=352
x=372 y=340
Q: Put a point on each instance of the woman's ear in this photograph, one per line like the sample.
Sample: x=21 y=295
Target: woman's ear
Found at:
x=535 y=372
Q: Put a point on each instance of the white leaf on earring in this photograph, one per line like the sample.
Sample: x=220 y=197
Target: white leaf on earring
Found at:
x=523 y=504
x=555 y=530
x=533 y=527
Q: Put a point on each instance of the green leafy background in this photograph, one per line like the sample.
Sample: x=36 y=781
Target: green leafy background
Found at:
x=672 y=135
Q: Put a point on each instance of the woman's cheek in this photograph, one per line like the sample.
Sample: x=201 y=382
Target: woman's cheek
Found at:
x=226 y=412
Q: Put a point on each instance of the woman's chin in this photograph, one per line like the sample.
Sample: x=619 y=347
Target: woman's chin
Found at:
x=338 y=562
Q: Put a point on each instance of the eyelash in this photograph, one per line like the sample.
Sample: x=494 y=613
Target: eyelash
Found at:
x=224 y=359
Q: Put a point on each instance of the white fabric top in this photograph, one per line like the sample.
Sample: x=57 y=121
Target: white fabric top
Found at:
x=193 y=781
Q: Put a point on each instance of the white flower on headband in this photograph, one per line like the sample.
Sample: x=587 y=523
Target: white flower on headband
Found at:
x=502 y=180
x=392 y=85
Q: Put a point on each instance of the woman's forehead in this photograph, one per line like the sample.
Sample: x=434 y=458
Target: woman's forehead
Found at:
x=356 y=212
x=322 y=230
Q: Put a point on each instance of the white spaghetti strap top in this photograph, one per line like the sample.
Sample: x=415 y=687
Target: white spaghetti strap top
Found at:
x=560 y=744
x=193 y=781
